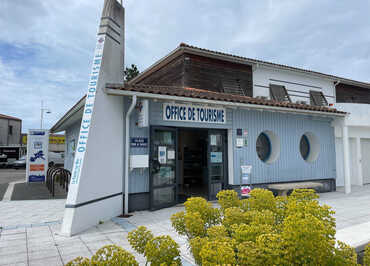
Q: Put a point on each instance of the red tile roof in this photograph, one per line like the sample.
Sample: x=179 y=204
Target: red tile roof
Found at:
x=218 y=96
x=9 y=117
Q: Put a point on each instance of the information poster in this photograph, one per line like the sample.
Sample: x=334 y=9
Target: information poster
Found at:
x=246 y=172
x=216 y=157
x=162 y=154
x=37 y=155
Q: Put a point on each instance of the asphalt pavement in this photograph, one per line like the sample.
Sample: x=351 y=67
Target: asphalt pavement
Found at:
x=12 y=175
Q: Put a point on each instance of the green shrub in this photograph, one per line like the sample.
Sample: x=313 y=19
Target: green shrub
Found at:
x=196 y=244
x=139 y=238
x=178 y=223
x=262 y=199
x=159 y=251
x=217 y=252
x=263 y=230
x=247 y=232
x=304 y=194
x=367 y=255
x=194 y=225
x=79 y=261
x=162 y=250
x=217 y=232
x=210 y=215
x=227 y=199
x=343 y=255
x=113 y=255
x=233 y=215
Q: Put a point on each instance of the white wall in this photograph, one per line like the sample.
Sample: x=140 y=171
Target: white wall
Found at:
x=95 y=192
x=296 y=84
x=339 y=161
x=358 y=113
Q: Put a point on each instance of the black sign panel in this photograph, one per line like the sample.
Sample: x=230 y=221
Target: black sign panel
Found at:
x=11 y=152
x=139 y=142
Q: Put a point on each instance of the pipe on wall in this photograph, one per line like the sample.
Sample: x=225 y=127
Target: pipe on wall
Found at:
x=127 y=150
x=346 y=158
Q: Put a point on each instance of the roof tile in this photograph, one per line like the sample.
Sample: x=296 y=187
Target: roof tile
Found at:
x=218 y=96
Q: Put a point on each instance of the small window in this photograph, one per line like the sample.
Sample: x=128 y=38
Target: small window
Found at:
x=10 y=130
x=233 y=86
x=268 y=147
x=279 y=93
x=317 y=98
x=309 y=147
x=304 y=147
x=263 y=147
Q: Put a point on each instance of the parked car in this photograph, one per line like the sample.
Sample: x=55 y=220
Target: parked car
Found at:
x=21 y=163
x=3 y=160
x=56 y=159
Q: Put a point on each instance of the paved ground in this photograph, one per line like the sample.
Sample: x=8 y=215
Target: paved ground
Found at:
x=36 y=191
x=12 y=175
x=30 y=229
x=351 y=209
x=13 y=187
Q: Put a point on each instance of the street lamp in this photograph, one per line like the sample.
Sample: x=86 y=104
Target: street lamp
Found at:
x=43 y=109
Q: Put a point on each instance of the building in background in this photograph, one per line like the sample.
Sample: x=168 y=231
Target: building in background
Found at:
x=56 y=142
x=10 y=139
x=10 y=130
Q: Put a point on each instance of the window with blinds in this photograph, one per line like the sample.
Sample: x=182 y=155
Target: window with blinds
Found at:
x=233 y=86
x=279 y=93
x=317 y=98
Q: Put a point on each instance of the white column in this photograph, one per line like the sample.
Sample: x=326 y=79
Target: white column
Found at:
x=347 y=172
x=359 y=161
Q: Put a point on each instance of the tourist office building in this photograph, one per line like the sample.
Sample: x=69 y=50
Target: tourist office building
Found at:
x=194 y=123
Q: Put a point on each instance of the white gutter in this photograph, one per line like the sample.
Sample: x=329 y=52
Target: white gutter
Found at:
x=223 y=103
x=127 y=151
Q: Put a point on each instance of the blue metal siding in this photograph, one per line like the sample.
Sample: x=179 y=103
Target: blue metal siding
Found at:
x=290 y=165
x=138 y=178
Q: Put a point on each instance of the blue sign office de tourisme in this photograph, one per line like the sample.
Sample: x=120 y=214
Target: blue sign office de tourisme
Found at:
x=194 y=113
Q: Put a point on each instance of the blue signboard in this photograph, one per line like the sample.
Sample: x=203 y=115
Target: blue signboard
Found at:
x=139 y=142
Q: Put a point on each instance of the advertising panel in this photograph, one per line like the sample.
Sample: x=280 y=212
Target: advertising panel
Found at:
x=37 y=155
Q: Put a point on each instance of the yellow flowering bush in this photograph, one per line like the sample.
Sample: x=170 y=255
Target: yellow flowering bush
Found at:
x=79 y=261
x=113 y=255
x=162 y=250
x=263 y=230
x=227 y=199
x=139 y=238
x=217 y=252
x=159 y=251
x=367 y=255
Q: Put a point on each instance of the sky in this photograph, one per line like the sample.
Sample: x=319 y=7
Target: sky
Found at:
x=46 y=46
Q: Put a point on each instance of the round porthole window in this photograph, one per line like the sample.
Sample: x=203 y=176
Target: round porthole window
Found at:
x=304 y=147
x=309 y=147
x=268 y=147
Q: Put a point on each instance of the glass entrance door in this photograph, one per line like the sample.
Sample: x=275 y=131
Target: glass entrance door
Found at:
x=216 y=162
x=163 y=181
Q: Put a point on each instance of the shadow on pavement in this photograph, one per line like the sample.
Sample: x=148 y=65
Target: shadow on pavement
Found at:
x=35 y=191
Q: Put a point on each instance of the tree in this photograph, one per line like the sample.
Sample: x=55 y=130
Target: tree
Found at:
x=130 y=72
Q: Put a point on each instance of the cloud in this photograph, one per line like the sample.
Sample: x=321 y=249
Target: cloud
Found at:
x=46 y=47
